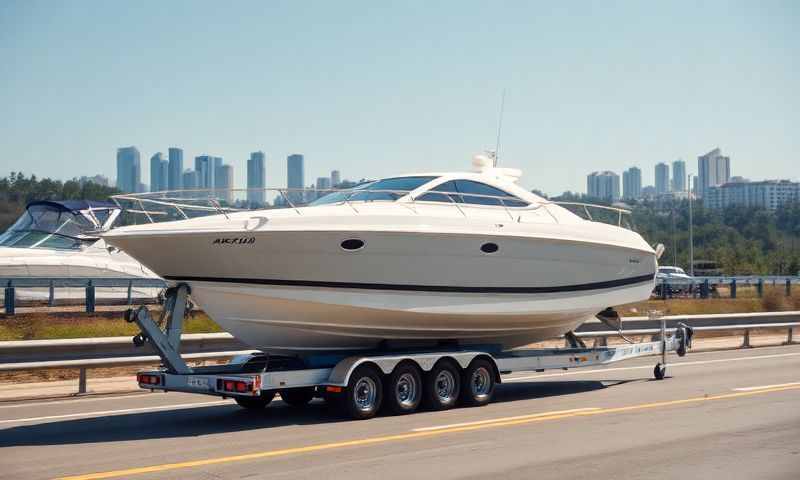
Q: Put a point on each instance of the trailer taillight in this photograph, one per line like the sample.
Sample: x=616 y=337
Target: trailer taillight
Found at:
x=239 y=386
x=148 y=379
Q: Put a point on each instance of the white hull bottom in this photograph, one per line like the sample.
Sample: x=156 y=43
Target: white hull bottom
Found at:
x=302 y=320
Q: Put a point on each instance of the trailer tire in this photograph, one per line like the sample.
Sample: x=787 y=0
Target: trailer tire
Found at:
x=297 y=397
x=404 y=389
x=364 y=393
x=477 y=383
x=442 y=386
x=256 y=403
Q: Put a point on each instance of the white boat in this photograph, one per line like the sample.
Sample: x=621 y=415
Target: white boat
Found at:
x=59 y=239
x=469 y=258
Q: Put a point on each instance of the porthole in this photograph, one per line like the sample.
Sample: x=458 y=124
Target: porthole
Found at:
x=352 y=244
x=489 y=247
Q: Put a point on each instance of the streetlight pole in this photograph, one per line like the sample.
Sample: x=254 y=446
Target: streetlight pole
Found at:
x=691 y=227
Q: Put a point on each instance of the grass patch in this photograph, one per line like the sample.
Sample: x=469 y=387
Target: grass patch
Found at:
x=41 y=326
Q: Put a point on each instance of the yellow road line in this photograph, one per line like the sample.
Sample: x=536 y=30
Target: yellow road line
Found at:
x=413 y=435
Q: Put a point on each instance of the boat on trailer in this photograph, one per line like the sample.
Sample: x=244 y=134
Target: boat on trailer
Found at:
x=468 y=258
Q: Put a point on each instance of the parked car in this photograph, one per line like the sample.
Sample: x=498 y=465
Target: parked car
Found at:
x=677 y=279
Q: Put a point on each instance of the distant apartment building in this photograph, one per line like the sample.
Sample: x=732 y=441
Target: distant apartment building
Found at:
x=295 y=177
x=129 y=170
x=649 y=192
x=769 y=194
x=662 y=178
x=159 y=173
x=223 y=183
x=323 y=186
x=175 y=176
x=336 y=178
x=101 y=180
x=632 y=183
x=256 y=178
x=713 y=169
x=603 y=185
x=189 y=180
x=678 y=176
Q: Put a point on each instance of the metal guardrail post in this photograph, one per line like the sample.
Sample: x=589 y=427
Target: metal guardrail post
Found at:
x=789 y=334
x=129 y=300
x=90 y=297
x=788 y=287
x=760 y=287
x=746 y=341
x=82 y=381
x=10 y=301
x=733 y=288
x=51 y=296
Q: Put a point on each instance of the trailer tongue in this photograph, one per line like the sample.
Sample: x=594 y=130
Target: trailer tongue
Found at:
x=401 y=381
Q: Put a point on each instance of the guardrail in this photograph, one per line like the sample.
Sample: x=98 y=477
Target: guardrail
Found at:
x=86 y=353
x=89 y=284
x=703 y=287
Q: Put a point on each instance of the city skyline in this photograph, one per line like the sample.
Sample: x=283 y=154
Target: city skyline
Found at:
x=77 y=86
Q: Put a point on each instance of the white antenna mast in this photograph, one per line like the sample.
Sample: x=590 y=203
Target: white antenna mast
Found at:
x=499 y=128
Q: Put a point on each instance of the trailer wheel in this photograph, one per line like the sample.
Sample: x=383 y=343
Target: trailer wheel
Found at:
x=478 y=383
x=364 y=393
x=442 y=386
x=297 y=397
x=404 y=389
x=256 y=403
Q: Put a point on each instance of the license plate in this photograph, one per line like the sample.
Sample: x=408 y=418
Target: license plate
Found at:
x=197 y=382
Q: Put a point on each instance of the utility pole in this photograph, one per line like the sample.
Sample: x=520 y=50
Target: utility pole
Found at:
x=691 y=227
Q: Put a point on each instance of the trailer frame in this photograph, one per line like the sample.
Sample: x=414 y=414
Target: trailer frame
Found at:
x=252 y=380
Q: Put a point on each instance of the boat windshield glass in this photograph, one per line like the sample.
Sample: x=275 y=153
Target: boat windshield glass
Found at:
x=388 y=189
x=43 y=226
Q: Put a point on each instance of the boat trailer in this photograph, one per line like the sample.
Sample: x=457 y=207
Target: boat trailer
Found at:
x=437 y=378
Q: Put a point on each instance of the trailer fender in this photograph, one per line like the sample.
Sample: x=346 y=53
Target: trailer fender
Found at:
x=340 y=375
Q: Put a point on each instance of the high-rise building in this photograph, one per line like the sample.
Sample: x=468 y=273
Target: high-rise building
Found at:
x=256 y=178
x=159 y=173
x=632 y=183
x=662 y=178
x=713 y=169
x=295 y=177
x=175 y=177
x=603 y=185
x=189 y=180
x=679 y=176
x=129 y=169
x=336 y=178
x=223 y=183
x=204 y=166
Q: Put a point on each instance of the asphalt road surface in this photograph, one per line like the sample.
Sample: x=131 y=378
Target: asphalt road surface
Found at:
x=726 y=415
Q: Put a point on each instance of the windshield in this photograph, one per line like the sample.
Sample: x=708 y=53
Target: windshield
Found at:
x=43 y=226
x=387 y=189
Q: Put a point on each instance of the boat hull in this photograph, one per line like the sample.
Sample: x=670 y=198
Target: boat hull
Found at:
x=300 y=291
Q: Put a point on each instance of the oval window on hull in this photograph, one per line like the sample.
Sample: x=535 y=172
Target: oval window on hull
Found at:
x=352 y=244
x=489 y=247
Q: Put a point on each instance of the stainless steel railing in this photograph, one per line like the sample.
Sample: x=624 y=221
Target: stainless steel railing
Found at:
x=185 y=204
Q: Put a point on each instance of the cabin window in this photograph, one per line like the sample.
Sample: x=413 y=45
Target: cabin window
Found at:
x=471 y=192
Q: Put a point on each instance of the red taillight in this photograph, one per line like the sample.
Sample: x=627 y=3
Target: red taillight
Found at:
x=239 y=386
x=147 y=379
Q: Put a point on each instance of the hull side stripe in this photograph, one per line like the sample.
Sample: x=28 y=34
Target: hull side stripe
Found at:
x=419 y=288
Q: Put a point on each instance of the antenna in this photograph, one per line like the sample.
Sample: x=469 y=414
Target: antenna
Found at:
x=499 y=127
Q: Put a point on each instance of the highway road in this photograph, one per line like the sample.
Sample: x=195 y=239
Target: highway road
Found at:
x=728 y=415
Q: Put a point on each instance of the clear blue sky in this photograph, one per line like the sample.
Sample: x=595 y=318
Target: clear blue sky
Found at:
x=375 y=89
